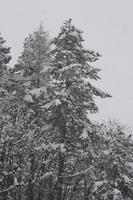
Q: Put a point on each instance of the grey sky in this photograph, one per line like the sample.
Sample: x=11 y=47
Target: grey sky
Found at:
x=108 y=28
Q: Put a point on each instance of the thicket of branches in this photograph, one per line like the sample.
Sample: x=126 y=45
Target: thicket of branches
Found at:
x=49 y=148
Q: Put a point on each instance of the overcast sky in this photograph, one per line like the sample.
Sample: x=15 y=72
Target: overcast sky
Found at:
x=108 y=29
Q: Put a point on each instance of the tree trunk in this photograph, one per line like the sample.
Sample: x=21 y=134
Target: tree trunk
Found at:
x=60 y=177
x=62 y=128
x=19 y=176
x=30 y=189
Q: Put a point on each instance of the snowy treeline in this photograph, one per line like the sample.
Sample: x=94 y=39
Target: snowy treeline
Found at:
x=49 y=148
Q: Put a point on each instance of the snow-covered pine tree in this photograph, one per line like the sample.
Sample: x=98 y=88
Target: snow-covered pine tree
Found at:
x=113 y=162
x=4 y=58
x=11 y=130
x=30 y=90
x=4 y=52
x=6 y=153
x=70 y=95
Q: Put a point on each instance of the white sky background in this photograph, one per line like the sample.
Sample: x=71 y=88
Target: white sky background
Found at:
x=108 y=29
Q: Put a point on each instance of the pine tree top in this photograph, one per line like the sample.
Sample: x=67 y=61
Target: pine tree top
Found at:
x=70 y=40
x=4 y=52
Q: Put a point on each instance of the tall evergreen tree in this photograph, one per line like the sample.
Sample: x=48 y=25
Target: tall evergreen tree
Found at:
x=70 y=95
x=5 y=131
x=4 y=52
x=4 y=58
x=113 y=160
x=29 y=77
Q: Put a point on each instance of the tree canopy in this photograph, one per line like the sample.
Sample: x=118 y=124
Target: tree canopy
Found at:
x=49 y=147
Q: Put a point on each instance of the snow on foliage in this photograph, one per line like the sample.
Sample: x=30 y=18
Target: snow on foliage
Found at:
x=57 y=102
x=46 y=175
x=47 y=105
x=28 y=98
x=37 y=91
x=69 y=67
x=117 y=194
x=84 y=133
x=98 y=184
